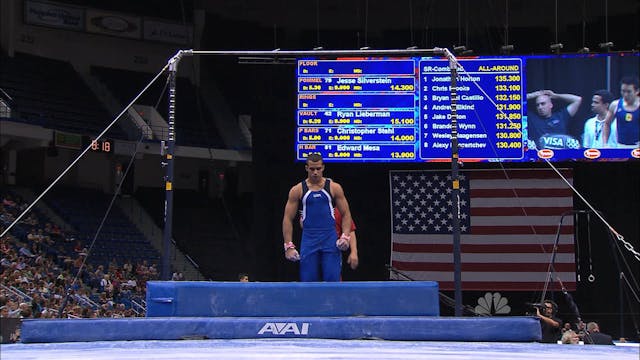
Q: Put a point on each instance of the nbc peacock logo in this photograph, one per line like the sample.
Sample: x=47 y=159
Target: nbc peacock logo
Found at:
x=493 y=304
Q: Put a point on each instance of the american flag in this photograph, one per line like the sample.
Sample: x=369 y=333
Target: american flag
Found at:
x=508 y=225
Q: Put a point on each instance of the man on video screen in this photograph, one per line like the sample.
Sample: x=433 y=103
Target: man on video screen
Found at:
x=548 y=128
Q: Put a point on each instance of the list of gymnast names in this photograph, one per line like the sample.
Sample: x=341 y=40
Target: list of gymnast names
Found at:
x=400 y=109
x=489 y=95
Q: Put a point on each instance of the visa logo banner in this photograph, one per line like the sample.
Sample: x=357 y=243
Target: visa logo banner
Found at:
x=558 y=141
x=281 y=328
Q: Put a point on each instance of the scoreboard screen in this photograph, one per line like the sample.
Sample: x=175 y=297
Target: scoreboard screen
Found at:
x=399 y=109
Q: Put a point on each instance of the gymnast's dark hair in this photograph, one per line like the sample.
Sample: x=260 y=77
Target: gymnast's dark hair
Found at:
x=630 y=80
x=605 y=95
x=314 y=157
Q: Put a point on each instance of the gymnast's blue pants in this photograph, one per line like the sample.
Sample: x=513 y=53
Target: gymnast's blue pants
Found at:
x=320 y=259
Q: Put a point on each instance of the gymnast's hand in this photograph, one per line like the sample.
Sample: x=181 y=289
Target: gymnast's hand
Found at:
x=343 y=242
x=292 y=254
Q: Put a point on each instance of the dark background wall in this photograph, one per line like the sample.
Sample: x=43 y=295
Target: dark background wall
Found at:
x=483 y=25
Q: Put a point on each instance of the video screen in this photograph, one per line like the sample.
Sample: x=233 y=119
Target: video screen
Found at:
x=560 y=108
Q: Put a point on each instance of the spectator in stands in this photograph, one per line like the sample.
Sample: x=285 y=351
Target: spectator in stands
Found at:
x=131 y=283
x=37 y=304
x=581 y=329
x=243 y=277
x=106 y=285
x=31 y=220
x=119 y=273
x=99 y=272
x=4 y=244
x=52 y=230
x=24 y=250
x=78 y=248
x=86 y=313
x=43 y=237
x=595 y=337
x=77 y=263
x=25 y=310
x=128 y=268
x=6 y=218
x=35 y=249
x=8 y=202
x=4 y=311
x=20 y=263
x=13 y=309
x=570 y=337
x=153 y=270
x=177 y=276
x=119 y=311
x=142 y=269
x=32 y=236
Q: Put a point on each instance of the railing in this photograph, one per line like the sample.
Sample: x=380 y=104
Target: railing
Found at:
x=5 y=104
x=85 y=300
x=190 y=260
x=159 y=132
x=139 y=308
x=16 y=292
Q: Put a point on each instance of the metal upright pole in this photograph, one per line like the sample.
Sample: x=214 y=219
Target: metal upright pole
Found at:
x=621 y=301
x=455 y=184
x=168 y=163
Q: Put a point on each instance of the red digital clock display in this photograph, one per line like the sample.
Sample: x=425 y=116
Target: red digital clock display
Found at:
x=104 y=145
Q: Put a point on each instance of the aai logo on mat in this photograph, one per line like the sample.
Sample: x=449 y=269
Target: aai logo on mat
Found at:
x=282 y=328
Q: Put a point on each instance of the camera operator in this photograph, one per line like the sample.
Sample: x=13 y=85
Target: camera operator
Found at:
x=549 y=323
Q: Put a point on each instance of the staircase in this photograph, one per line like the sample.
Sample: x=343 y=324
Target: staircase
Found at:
x=179 y=261
x=133 y=124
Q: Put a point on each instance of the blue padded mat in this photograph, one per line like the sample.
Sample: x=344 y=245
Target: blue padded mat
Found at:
x=513 y=329
x=374 y=298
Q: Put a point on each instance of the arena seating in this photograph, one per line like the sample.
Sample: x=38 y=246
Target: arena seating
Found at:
x=119 y=239
x=52 y=263
x=193 y=123
x=51 y=94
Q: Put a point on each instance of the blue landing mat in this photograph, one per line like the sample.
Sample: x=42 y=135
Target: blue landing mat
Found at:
x=511 y=329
